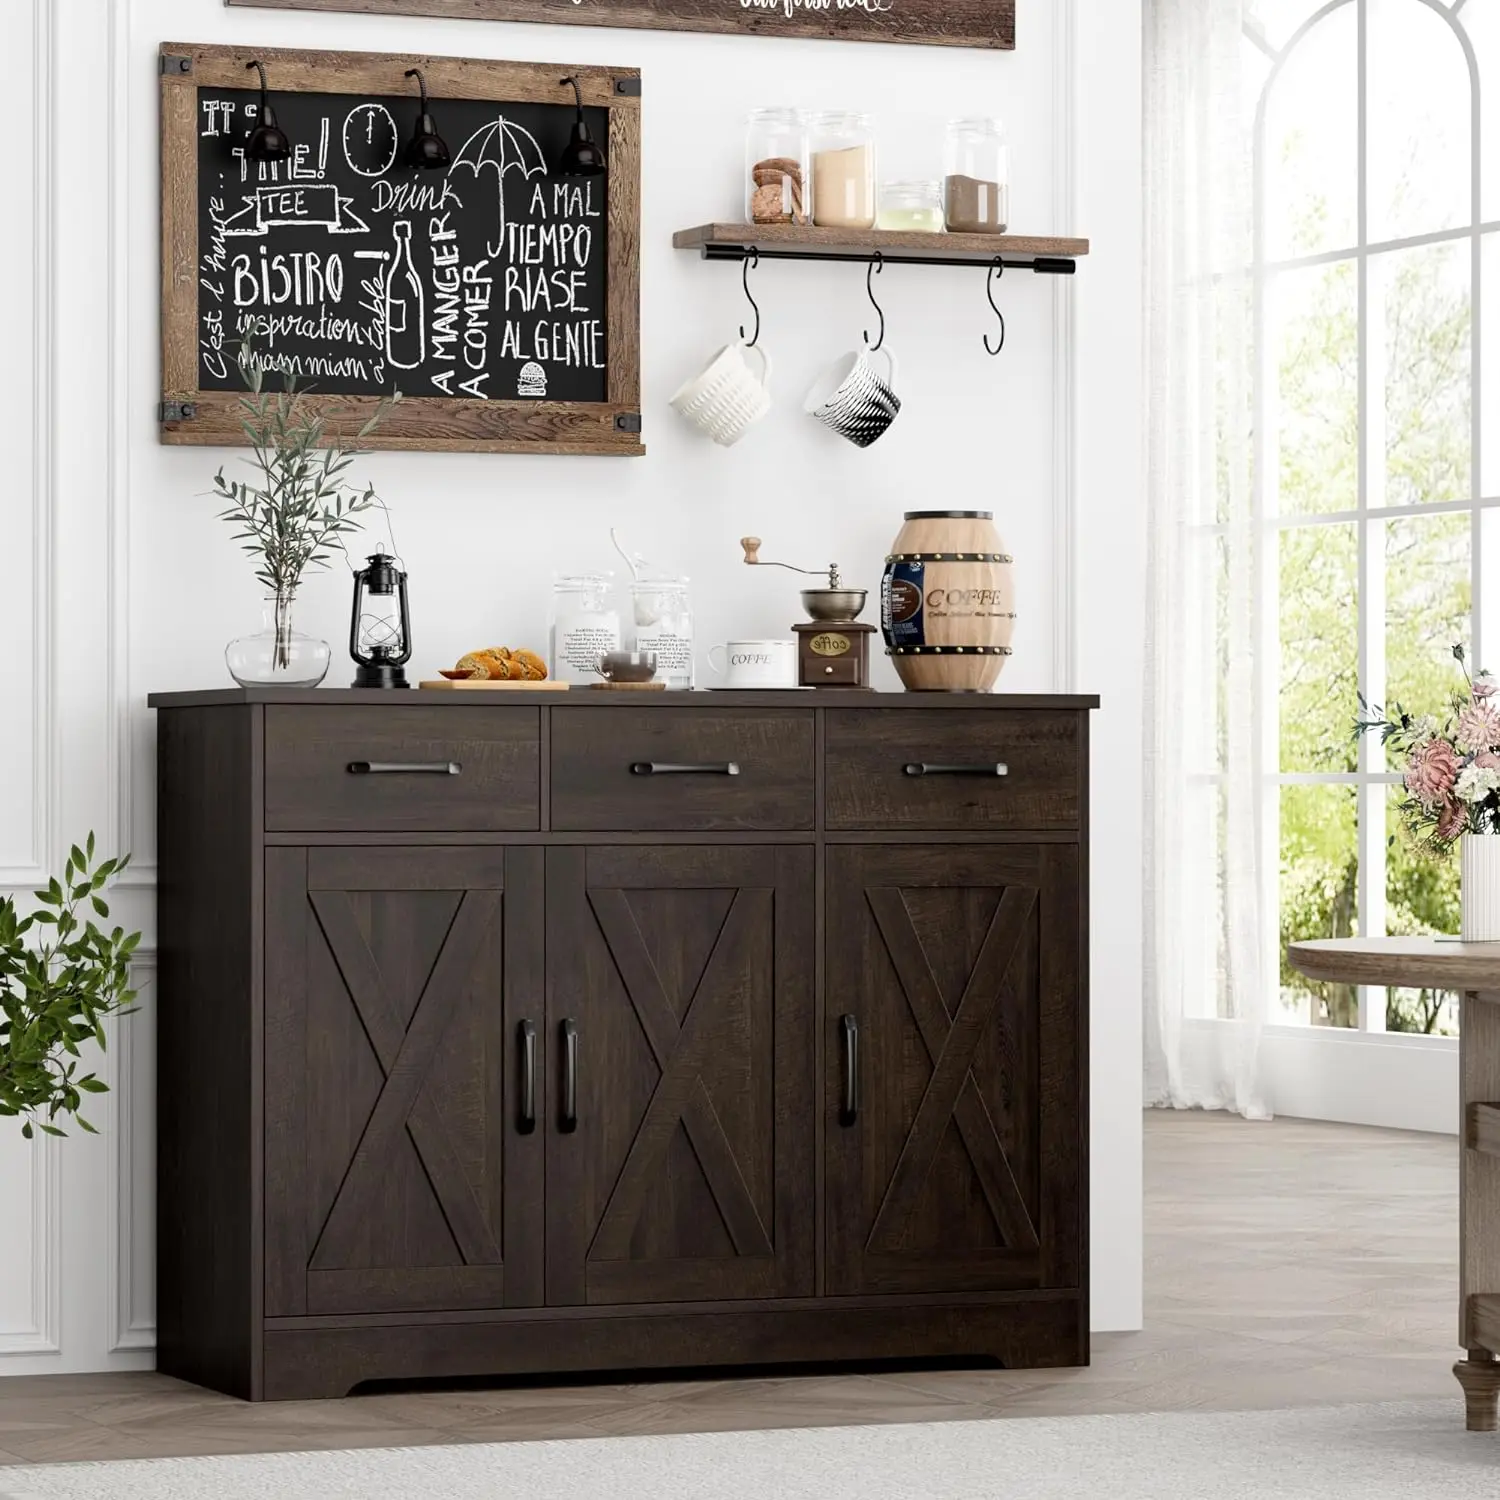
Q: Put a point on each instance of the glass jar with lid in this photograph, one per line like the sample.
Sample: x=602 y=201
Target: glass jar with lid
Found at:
x=976 y=189
x=585 y=624
x=843 y=170
x=777 y=189
x=914 y=206
x=664 y=624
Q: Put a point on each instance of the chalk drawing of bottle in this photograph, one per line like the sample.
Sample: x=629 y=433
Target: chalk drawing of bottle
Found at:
x=405 y=325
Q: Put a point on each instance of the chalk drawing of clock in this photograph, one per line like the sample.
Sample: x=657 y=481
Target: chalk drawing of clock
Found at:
x=370 y=140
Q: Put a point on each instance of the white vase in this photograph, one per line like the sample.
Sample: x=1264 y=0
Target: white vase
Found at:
x=1481 y=888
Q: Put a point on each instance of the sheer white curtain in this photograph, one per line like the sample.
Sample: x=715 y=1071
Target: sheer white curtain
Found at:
x=1205 y=941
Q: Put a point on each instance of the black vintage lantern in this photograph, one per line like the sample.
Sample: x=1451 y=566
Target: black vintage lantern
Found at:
x=426 y=149
x=582 y=156
x=268 y=141
x=379 y=626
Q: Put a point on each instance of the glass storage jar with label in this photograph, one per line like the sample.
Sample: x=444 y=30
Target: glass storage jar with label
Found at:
x=585 y=624
x=664 y=624
x=916 y=206
x=843 y=170
x=976 y=190
x=777 y=186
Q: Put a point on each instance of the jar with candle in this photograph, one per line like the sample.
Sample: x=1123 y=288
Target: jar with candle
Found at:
x=976 y=190
x=916 y=206
x=777 y=186
x=585 y=624
x=664 y=624
x=843 y=170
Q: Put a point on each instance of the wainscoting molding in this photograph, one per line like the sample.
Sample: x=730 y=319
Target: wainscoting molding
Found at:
x=130 y=1072
x=43 y=1334
x=1064 y=372
x=42 y=727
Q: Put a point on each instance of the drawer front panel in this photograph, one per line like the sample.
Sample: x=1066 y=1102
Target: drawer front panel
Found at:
x=407 y=768
x=688 y=769
x=901 y=768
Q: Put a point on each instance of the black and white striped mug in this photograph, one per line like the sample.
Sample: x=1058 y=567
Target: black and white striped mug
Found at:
x=851 y=399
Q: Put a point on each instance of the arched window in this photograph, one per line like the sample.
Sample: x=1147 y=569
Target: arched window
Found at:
x=1376 y=444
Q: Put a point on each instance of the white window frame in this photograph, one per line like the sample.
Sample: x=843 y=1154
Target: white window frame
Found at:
x=1372 y=778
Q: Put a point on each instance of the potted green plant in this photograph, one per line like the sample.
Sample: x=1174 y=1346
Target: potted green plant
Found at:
x=289 y=518
x=61 y=978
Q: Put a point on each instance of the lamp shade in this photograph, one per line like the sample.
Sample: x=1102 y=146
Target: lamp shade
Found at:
x=427 y=150
x=582 y=156
x=268 y=141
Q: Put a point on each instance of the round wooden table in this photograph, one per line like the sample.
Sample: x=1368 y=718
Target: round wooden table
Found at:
x=1473 y=969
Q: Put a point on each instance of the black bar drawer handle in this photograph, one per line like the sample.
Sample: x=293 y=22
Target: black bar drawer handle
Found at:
x=849 y=1032
x=404 y=768
x=526 y=1116
x=672 y=768
x=926 y=768
x=569 y=1121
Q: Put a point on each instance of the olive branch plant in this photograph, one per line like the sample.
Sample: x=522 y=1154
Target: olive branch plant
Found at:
x=299 y=506
x=61 y=978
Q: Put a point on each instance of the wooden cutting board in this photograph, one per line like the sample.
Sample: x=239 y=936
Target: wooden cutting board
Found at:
x=469 y=685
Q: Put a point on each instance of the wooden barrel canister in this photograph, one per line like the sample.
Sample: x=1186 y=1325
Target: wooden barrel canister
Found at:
x=947 y=602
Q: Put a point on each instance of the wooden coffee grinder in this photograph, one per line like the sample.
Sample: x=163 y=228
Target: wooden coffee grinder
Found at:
x=833 y=647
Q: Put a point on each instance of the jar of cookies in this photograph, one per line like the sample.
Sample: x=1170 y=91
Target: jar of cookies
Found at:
x=776 y=170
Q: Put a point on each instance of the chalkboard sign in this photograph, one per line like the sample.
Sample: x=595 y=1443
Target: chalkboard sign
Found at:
x=498 y=296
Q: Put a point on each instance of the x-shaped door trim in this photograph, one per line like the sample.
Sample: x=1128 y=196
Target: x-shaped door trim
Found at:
x=681 y=1053
x=405 y=1054
x=951 y=1090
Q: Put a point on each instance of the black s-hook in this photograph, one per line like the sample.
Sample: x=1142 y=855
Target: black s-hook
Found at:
x=995 y=272
x=749 y=261
x=877 y=264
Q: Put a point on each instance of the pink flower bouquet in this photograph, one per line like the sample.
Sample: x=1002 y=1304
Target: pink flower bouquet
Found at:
x=1452 y=773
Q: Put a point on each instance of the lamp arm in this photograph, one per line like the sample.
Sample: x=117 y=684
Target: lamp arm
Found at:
x=421 y=84
x=577 y=96
x=256 y=64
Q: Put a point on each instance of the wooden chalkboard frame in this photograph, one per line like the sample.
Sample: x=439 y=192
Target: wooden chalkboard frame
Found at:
x=431 y=424
x=984 y=24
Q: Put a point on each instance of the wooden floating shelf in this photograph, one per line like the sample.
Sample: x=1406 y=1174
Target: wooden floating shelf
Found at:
x=1047 y=255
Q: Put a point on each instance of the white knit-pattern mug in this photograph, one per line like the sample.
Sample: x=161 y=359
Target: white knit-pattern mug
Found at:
x=727 y=398
x=851 y=399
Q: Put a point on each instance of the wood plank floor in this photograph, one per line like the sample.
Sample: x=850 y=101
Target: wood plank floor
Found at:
x=1286 y=1264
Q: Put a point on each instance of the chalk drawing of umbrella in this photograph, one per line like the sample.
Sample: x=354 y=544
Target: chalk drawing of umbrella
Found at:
x=500 y=147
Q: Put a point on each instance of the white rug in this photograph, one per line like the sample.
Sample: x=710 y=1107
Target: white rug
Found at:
x=1394 y=1451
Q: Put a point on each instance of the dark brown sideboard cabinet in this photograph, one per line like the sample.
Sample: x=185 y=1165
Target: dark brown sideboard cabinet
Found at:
x=542 y=1033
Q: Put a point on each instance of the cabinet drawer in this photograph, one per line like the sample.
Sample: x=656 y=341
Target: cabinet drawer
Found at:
x=902 y=768
x=406 y=767
x=670 y=769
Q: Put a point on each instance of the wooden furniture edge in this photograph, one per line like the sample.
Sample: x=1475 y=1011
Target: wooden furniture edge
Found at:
x=1455 y=966
x=831 y=698
x=813 y=237
x=641 y=17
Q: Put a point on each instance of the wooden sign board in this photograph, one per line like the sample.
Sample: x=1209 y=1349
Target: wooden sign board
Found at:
x=932 y=23
x=500 y=299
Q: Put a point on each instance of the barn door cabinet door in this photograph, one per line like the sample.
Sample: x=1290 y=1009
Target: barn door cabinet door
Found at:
x=681 y=1109
x=952 y=1082
x=401 y=1172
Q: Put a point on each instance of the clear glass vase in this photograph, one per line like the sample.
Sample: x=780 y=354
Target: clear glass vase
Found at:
x=278 y=655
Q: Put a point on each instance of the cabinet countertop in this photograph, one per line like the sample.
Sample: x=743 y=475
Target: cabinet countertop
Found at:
x=585 y=697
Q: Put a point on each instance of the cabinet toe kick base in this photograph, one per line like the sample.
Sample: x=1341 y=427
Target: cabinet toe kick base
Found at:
x=1042 y=1330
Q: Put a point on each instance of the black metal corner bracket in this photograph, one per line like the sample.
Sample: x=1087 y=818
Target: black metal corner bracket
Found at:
x=176 y=411
x=172 y=63
x=627 y=421
x=631 y=86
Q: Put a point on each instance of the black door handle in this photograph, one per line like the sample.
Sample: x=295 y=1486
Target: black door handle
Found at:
x=927 y=768
x=569 y=1121
x=671 y=768
x=526 y=1115
x=404 y=768
x=849 y=1031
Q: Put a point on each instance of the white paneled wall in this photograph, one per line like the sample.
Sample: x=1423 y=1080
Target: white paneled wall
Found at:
x=122 y=580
